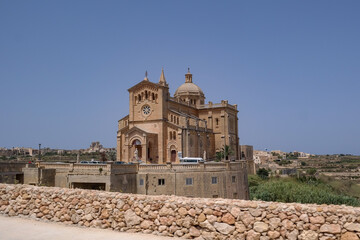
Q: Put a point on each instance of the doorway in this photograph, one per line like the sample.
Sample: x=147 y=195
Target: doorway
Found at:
x=173 y=155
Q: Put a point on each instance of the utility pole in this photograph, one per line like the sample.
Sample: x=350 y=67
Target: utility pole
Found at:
x=39 y=151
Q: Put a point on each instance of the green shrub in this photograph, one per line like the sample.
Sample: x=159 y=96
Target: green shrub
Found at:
x=311 y=171
x=291 y=190
x=284 y=162
x=263 y=173
x=254 y=180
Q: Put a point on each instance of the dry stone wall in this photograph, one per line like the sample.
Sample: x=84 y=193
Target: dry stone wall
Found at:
x=181 y=217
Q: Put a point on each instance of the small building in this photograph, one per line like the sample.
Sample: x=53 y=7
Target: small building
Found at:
x=210 y=180
x=247 y=154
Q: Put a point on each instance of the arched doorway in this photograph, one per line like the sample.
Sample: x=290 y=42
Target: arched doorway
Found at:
x=137 y=148
x=173 y=155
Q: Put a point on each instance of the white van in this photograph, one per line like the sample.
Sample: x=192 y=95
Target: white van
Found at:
x=190 y=160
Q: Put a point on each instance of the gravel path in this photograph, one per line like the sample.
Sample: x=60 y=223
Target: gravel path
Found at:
x=16 y=228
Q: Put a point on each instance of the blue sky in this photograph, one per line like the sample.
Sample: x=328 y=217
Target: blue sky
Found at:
x=291 y=66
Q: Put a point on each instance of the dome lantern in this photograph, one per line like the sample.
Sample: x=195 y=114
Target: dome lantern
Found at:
x=189 y=91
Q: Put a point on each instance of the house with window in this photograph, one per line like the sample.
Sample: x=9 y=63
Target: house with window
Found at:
x=206 y=179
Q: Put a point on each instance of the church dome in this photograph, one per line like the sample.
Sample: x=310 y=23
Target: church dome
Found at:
x=189 y=88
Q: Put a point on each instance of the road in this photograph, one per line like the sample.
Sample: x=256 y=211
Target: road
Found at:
x=16 y=228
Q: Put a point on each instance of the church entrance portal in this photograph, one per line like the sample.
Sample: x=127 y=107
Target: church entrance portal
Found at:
x=173 y=155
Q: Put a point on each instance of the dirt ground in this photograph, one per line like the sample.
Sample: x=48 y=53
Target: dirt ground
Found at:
x=16 y=228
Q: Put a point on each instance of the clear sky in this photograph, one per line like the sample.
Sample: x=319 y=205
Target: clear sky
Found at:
x=293 y=68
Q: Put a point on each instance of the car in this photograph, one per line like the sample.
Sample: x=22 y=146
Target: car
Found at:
x=95 y=162
x=120 y=162
x=190 y=160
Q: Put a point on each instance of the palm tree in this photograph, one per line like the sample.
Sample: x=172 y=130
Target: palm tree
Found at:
x=224 y=153
x=219 y=155
x=226 y=150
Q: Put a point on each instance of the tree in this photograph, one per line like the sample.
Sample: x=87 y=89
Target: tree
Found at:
x=103 y=157
x=219 y=156
x=263 y=173
x=112 y=155
x=226 y=150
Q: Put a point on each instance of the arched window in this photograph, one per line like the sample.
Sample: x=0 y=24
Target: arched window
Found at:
x=153 y=96
x=136 y=142
x=174 y=135
x=170 y=135
x=146 y=95
x=177 y=120
x=171 y=118
x=139 y=97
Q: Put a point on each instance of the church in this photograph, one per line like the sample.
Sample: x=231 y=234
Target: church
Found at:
x=161 y=128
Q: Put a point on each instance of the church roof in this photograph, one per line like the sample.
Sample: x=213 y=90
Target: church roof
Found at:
x=189 y=88
x=144 y=83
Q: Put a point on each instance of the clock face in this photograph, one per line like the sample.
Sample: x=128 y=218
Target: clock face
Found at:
x=146 y=110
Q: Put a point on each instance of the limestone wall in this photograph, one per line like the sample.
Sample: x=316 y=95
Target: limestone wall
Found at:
x=180 y=216
x=11 y=166
x=10 y=172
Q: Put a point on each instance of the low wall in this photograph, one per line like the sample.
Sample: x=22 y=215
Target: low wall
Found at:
x=180 y=216
x=12 y=166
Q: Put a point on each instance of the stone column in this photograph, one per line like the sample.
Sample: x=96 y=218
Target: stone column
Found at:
x=187 y=143
x=127 y=149
x=198 y=144
x=144 y=149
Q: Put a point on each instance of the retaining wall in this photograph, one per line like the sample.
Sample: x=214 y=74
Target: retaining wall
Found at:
x=199 y=218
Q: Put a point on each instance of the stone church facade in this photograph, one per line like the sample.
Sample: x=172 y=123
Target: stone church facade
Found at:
x=160 y=128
